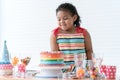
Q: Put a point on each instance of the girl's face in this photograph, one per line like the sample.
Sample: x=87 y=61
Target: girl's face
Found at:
x=65 y=20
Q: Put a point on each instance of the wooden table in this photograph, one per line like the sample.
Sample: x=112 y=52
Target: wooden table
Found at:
x=11 y=78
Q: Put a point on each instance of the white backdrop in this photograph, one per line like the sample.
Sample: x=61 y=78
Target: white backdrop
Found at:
x=27 y=24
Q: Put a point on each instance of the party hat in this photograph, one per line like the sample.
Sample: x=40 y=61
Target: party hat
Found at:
x=5 y=54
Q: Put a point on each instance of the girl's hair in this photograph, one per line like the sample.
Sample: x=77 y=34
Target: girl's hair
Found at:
x=72 y=9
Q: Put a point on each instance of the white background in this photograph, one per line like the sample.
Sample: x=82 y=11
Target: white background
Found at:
x=27 y=24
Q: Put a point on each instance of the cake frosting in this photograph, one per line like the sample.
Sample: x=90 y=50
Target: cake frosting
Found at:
x=51 y=58
x=5 y=65
x=51 y=64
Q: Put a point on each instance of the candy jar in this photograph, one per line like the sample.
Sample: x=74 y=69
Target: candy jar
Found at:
x=21 y=67
x=79 y=58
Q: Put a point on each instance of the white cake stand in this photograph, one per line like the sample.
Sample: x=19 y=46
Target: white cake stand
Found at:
x=55 y=67
x=37 y=68
x=50 y=71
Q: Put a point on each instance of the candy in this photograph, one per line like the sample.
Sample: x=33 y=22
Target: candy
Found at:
x=15 y=61
x=94 y=73
x=80 y=72
x=26 y=60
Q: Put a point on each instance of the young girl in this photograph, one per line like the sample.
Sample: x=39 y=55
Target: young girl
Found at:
x=69 y=37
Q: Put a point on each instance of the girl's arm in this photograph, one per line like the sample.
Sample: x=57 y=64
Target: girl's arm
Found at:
x=88 y=46
x=53 y=42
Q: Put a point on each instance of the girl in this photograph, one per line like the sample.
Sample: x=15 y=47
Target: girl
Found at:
x=69 y=37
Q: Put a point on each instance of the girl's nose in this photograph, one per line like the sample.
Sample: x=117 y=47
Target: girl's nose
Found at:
x=62 y=21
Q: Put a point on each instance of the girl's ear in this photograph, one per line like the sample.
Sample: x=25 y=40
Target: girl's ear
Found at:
x=75 y=17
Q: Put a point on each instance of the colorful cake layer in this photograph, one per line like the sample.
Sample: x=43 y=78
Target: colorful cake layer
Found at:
x=51 y=58
x=52 y=61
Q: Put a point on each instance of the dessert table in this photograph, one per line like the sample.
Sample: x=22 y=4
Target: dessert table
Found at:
x=32 y=77
x=15 y=78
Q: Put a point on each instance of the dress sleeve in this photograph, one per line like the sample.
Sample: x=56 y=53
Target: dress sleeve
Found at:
x=55 y=31
x=81 y=30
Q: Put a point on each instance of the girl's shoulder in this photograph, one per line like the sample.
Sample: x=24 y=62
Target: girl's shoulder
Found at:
x=81 y=30
x=55 y=31
x=78 y=30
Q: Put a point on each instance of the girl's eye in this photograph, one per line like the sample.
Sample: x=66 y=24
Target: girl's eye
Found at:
x=65 y=18
x=58 y=19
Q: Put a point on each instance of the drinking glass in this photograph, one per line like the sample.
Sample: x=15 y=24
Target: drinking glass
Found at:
x=118 y=73
x=79 y=58
x=25 y=60
x=21 y=68
x=98 y=59
x=91 y=71
x=64 y=76
x=14 y=61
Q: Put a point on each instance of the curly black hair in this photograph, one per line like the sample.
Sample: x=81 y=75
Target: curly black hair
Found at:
x=72 y=9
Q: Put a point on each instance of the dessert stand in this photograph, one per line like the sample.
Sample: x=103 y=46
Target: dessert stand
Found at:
x=49 y=71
